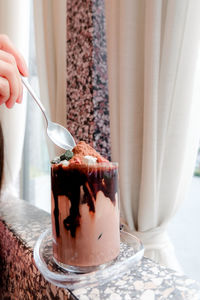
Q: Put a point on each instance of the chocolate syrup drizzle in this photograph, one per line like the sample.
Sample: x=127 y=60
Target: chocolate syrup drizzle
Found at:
x=67 y=181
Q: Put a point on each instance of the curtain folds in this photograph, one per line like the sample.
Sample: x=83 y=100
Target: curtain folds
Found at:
x=14 y=21
x=50 y=34
x=154 y=66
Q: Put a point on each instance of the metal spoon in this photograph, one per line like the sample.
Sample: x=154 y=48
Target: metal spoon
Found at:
x=57 y=133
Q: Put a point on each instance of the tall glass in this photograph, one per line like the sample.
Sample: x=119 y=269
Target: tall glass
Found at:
x=85 y=215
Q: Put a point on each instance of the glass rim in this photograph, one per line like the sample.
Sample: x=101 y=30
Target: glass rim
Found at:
x=96 y=165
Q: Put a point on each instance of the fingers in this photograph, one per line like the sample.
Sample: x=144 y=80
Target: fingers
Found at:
x=10 y=73
x=9 y=58
x=19 y=100
x=7 y=46
x=4 y=90
x=11 y=65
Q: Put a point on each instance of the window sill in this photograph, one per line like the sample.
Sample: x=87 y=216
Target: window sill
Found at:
x=20 y=226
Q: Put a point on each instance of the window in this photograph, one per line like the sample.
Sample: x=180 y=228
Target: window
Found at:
x=35 y=173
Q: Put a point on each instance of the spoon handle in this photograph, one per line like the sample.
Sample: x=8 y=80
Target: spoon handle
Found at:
x=35 y=97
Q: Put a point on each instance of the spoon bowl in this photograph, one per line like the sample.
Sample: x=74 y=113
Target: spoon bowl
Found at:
x=56 y=132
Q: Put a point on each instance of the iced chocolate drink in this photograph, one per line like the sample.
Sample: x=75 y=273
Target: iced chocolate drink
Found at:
x=85 y=214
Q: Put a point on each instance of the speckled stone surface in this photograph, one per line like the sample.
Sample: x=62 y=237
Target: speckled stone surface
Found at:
x=87 y=81
x=20 y=226
x=149 y=281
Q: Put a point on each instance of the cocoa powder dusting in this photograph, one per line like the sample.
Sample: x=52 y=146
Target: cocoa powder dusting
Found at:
x=82 y=149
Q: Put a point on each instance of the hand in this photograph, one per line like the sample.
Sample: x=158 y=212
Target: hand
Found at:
x=12 y=64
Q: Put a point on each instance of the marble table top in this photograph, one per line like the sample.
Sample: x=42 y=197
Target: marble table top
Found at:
x=148 y=281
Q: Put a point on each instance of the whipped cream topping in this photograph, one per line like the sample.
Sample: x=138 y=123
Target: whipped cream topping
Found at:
x=64 y=162
x=89 y=160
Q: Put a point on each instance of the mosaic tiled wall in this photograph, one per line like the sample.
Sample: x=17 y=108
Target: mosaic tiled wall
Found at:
x=87 y=82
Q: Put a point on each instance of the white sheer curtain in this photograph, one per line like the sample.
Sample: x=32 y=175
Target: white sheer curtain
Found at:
x=50 y=32
x=154 y=86
x=14 y=21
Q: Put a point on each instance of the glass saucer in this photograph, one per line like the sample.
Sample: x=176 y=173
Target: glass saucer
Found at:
x=131 y=252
